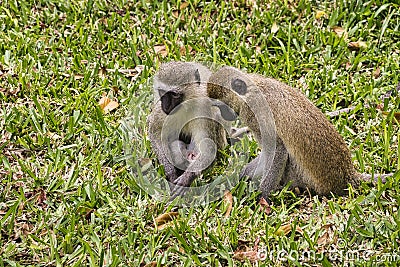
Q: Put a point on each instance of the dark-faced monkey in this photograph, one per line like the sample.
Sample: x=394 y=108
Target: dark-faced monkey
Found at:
x=184 y=127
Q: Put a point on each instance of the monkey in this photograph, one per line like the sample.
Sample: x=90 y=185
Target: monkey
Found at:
x=183 y=128
x=309 y=151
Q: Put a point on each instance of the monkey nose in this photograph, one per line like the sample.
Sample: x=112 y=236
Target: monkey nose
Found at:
x=192 y=155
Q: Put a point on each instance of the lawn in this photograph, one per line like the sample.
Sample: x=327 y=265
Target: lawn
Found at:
x=71 y=164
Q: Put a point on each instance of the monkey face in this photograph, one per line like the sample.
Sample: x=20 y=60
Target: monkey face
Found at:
x=239 y=92
x=170 y=100
x=177 y=81
x=230 y=86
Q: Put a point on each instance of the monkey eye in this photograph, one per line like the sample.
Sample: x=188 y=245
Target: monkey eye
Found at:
x=175 y=95
x=239 y=86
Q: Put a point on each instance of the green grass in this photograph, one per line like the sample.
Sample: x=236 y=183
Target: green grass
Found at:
x=68 y=189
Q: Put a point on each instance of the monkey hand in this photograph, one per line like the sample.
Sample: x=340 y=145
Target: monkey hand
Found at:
x=182 y=183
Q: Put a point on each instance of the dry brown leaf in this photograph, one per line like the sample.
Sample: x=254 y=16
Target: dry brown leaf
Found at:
x=265 y=206
x=175 y=14
x=106 y=104
x=183 y=5
x=380 y=106
x=357 y=45
x=22 y=229
x=324 y=239
x=377 y=72
x=121 y=12
x=161 y=49
x=252 y=256
x=150 y=264
x=274 y=28
x=103 y=21
x=396 y=115
x=78 y=76
x=162 y=220
x=339 y=31
x=183 y=48
x=115 y=89
x=41 y=198
x=145 y=164
x=102 y=72
x=348 y=65
x=134 y=73
x=243 y=253
x=248 y=27
x=13 y=91
x=229 y=200
x=286 y=229
x=319 y=14
x=328 y=235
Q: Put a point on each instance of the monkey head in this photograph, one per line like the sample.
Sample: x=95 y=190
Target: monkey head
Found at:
x=177 y=82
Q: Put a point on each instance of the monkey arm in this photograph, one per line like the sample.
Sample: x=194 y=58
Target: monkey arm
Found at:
x=179 y=185
x=271 y=178
x=275 y=174
x=201 y=152
x=169 y=168
x=154 y=133
x=182 y=183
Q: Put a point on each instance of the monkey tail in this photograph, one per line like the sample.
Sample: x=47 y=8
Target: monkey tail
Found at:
x=374 y=178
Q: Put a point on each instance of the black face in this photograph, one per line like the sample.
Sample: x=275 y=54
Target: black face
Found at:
x=239 y=86
x=170 y=100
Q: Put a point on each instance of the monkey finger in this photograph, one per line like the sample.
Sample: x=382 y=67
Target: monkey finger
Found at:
x=178 y=191
x=185 y=179
x=181 y=184
x=239 y=132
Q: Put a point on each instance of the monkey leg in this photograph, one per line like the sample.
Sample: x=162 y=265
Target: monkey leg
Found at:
x=294 y=174
x=179 y=154
x=162 y=150
x=251 y=167
x=169 y=169
x=273 y=177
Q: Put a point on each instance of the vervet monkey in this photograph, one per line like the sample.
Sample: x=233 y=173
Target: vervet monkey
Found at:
x=184 y=127
x=309 y=151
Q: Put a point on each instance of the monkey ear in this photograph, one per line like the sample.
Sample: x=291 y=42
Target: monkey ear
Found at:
x=239 y=86
x=197 y=76
x=161 y=92
x=226 y=112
